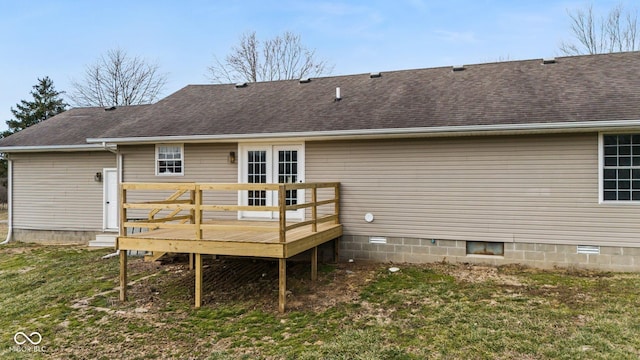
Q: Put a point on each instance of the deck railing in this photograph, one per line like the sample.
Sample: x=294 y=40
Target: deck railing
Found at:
x=187 y=213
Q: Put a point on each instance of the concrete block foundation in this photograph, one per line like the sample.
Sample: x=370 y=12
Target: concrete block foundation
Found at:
x=54 y=237
x=413 y=250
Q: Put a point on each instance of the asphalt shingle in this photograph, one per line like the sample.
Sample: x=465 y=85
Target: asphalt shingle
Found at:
x=573 y=89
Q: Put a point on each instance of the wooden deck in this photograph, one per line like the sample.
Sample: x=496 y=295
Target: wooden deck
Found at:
x=171 y=230
x=242 y=242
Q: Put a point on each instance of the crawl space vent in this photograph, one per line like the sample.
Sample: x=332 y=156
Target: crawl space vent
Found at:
x=377 y=240
x=586 y=249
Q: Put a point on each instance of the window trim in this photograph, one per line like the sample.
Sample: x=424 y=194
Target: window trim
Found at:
x=157 y=160
x=601 y=199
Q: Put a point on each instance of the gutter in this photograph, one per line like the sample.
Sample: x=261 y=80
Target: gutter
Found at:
x=111 y=149
x=42 y=148
x=466 y=130
x=9 y=201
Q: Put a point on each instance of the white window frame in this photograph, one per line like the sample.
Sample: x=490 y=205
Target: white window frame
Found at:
x=157 y=160
x=601 y=199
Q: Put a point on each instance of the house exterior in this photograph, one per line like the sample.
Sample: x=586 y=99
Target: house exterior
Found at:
x=534 y=162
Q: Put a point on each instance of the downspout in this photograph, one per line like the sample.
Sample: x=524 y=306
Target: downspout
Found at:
x=9 y=201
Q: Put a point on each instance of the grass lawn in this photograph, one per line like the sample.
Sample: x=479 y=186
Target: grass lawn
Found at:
x=354 y=311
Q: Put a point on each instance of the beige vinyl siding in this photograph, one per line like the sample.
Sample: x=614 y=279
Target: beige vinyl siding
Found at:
x=532 y=189
x=57 y=191
x=202 y=163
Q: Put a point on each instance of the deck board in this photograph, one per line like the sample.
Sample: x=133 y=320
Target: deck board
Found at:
x=243 y=242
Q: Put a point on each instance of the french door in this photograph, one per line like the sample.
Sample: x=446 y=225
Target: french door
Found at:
x=268 y=164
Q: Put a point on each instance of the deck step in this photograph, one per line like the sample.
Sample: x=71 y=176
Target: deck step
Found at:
x=104 y=240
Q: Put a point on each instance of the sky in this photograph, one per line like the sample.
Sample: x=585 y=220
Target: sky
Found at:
x=59 y=39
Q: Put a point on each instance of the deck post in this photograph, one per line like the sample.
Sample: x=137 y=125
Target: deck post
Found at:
x=282 y=204
x=192 y=201
x=314 y=208
x=336 y=207
x=282 y=285
x=198 y=291
x=198 y=209
x=123 y=275
x=123 y=210
x=314 y=263
x=193 y=195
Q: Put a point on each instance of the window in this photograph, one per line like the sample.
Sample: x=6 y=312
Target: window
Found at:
x=257 y=174
x=288 y=173
x=169 y=160
x=621 y=167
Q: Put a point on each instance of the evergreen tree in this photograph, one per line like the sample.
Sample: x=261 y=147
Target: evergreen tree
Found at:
x=45 y=104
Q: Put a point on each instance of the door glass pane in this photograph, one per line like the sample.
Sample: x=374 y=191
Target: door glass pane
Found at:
x=288 y=172
x=256 y=174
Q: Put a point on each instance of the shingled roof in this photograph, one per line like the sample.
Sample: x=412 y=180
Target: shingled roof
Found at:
x=593 y=88
x=73 y=127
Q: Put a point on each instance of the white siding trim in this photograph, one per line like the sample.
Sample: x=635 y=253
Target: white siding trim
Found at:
x=47 y=148
x=501 y=129
x=600 y=167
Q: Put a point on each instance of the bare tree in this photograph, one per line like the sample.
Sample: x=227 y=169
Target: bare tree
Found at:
x=616 y=32
x=118 y=80
x=280 y=58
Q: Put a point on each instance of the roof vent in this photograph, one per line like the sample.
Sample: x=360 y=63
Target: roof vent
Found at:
x=110 y=109
x=375 y=75
x=458 y=67
x=305 y=80
x=241 y=84
x=547 y=61
x=338 y=96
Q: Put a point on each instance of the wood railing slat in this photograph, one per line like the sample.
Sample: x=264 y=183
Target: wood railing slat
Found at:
x=196 y=207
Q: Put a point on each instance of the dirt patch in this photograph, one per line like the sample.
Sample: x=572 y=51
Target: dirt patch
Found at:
x=228 y=281
x=254 y=282
x=341 y=285
x=13 y=249
x=474 y=273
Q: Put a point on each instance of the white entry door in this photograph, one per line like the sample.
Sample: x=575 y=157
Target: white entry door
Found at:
x=110 y=182
x=271 y=164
